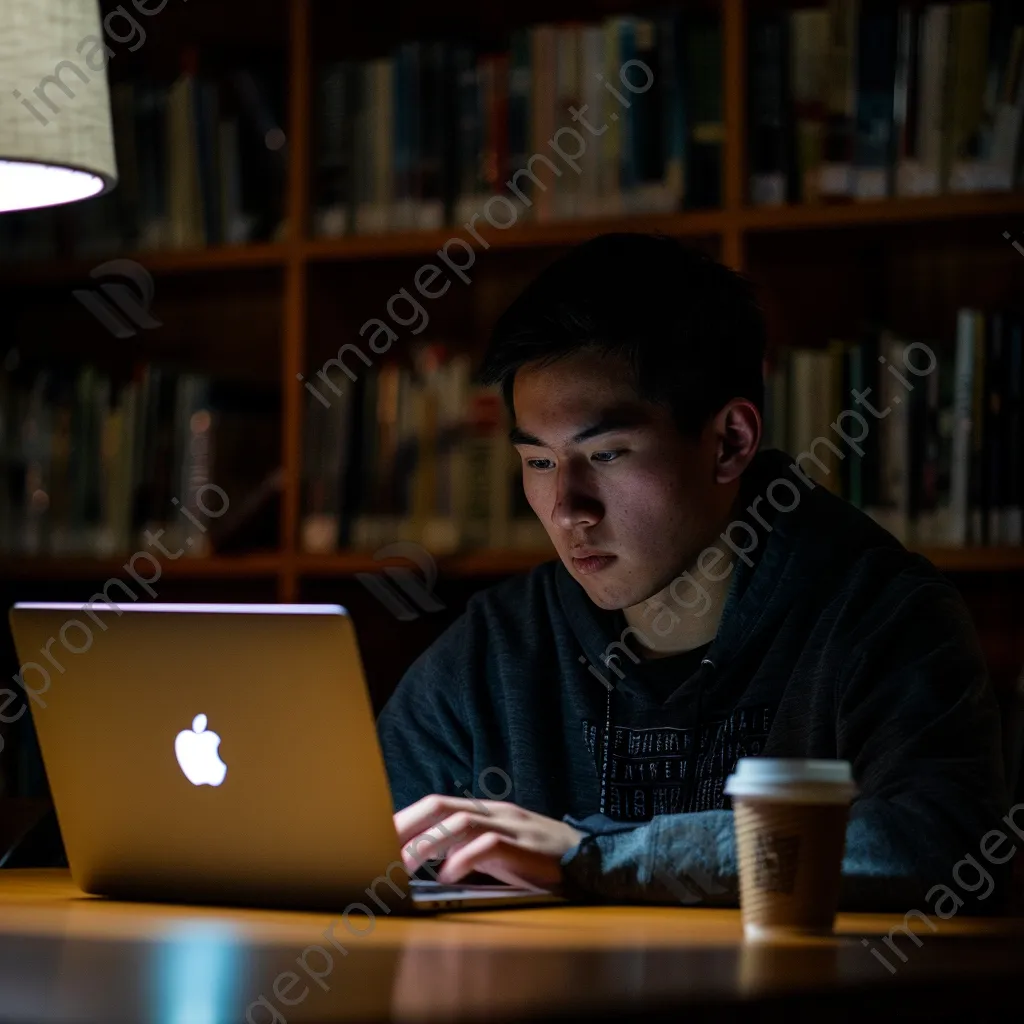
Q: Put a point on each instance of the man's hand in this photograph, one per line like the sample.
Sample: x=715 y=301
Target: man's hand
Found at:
x=514 y=845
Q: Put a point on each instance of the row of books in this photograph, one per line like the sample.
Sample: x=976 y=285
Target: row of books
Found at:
x=869 y=100
x=415 y=453
x=929 y=439
x=571 y=120
x=201 y=161
x=90 y=463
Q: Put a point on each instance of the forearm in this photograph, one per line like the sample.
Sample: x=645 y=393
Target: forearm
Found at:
x=680 y=858
x=899 y=851
x=894 y=854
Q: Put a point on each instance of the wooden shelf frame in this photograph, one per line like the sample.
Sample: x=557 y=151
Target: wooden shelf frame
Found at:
x=265 y=565
x=732 y=226
x=737 y=225
x=487 y=562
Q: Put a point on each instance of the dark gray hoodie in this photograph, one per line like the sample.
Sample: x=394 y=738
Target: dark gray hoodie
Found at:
x=835 y=642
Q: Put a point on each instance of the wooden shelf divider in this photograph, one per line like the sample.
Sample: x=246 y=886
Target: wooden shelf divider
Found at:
x=731 y=226
x=466 y=564
x=266 y=565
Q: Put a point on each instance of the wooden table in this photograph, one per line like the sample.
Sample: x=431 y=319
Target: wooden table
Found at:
x=69 y=957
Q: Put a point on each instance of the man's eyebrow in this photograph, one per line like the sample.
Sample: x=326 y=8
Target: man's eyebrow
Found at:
x=517 y=436
x=619 y=419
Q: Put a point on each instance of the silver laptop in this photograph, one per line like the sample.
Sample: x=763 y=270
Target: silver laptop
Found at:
x=219 y=753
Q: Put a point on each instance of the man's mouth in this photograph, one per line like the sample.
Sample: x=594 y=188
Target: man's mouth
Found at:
x=587 y=563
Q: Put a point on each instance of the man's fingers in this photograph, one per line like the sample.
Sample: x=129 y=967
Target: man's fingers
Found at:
x=499 y=856
x=425 y=813
x=455 y=831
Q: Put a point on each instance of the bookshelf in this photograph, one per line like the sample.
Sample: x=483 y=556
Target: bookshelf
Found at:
x=303 y=279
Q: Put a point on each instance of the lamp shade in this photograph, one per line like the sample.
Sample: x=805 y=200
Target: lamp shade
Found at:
x=56 y=137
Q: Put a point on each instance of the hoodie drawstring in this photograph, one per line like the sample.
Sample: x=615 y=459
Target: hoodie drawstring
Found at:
x=696 y=732
x=706 y=663
x=604 y=751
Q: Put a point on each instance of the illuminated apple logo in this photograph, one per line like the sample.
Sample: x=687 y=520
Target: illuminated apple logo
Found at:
x=196 y=751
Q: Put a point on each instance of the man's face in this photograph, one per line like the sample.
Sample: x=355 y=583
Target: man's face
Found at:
x=627 y=500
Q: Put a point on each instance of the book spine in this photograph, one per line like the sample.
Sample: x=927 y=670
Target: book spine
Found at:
x=60 y=474
x=831 y=405
x=970 y=123
x=808 y=71
x=874 y=148
x=334 y=163
x=122 y=108
x=781 y=399
x=544 y=56
x=479 y=454
x=963 y=406
x=836 y=173
x=567 y=92
x=499 y=114
x=673 y=112
x=35 y=440
x=366 y=495
x=926 y=174
x=802 y=389
x=611 y=150
x=234 y=227
x=585 y=101
x=198 y=459
x=853 y=380
x=111 y=426
x=704 y=155
x=364 y=151
x=460 y=374
x=995 y=465
x=906 y=94
x=978 y=481
x=487 y=70
x=416 y=127
x=519 y=101
x=430 y=101
x=206 y=116
x=383 y=142
x=766 y=102
x=1008 y=116
x=895 y=448
x=403 y=134
x=1014 y=520
x=468 y=135
x=152 y=133
x=969 y=51
x=919 y=469
x=650 y=77
x=934 y=472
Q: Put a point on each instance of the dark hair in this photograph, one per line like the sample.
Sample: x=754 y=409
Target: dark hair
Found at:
x=689 y=327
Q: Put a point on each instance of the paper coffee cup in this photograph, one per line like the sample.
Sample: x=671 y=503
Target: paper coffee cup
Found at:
x=790 y=817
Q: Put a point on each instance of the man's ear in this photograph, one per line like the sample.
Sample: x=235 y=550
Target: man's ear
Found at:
x=737 y=427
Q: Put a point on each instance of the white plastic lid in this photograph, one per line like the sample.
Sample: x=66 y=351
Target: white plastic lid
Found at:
x=803 y=780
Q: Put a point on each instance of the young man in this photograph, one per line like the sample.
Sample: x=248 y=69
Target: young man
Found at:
x=575 y=726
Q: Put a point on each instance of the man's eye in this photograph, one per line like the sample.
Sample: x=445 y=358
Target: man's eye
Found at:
x=539 y=463
x=605 y=456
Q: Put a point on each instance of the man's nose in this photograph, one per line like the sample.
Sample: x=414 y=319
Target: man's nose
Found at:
x=576 y=504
